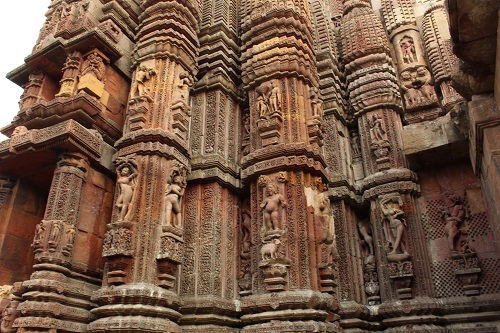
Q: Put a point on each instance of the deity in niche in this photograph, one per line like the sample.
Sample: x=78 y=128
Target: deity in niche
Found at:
x=94 y=65
x=126 y=188
x=408 y=50
x=262 y=107
x=40 y=230
x=142 y=75
x=355 y=143
x=173 y=195
x=182 y=92
x=70 y=233
x=275 y=98
x=394 y=225
x=316 y=103
x=246 y=223
x=365 y=230
x=56 y=231
x=453 y=214
x=271 y=206
x=377 y=131
x=246 y=123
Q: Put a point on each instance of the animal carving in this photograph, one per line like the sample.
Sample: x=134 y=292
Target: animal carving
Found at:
x=268 y=250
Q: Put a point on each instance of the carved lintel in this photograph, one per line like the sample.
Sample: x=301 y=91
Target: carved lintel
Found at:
x=467 y=271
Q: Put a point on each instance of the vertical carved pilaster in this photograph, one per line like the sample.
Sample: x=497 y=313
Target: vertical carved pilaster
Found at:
x=53 y=245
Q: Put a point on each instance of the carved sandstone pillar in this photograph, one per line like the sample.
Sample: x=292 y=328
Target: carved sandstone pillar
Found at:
x=287 y=267
x=57 y=296
x=145 y=239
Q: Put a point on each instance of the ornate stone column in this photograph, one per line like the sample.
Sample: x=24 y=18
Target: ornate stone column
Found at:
x=145 y=240
x=284 y=171
x=57 y=296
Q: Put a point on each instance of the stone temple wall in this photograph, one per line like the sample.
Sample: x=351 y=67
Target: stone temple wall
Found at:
x=254 y=166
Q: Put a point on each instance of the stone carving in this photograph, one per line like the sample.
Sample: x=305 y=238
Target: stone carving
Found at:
x=127 y=172
x=316 y=103
x=275 y=98
x=94 y=65
x=118 y=241
x=408 y=51
x=268 y=250
x=268 y=100
x=394 y=228
x=39 y=235
x=181 y=94
x=173 y=198
x=365 y=230
x=418 y=87
x=379 y=141
x=271 y=206
x=19 y=130
x=32 y=89
x=142 y=77
x=453 y=214
x=8 y=316
x=70 y=70
x=355 y=144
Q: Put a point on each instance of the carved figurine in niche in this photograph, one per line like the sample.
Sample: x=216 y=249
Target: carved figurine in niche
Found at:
x=365 y=230
x=271 y=207
x=316 y=103
x=377 y=132
x=182 y=92
x=246 y=124
x=394 y=227
x=94 y=65
x=426 y=87
x=70 y=233
x=56 y=231
x=355 y=143
x=142 y=75
x=173 y=195
x=246 y=223
x=126 y=187
x=453 y=214
x=39 y=231
x=408 y=50
x=262 y=107
x=275 y=98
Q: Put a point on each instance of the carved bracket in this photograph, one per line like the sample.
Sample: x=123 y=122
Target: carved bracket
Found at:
x=467 y=271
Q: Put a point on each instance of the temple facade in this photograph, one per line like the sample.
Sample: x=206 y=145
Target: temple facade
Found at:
x=255 y=166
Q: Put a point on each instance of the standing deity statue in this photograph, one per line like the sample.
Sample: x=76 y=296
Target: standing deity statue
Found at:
x=275 y=98
x=453 y=214
x=126 y=187
x=271 y=206
x=408 y=50
x=377 y=129
x=142 y=76
x=395 y=226
x=173 y=195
